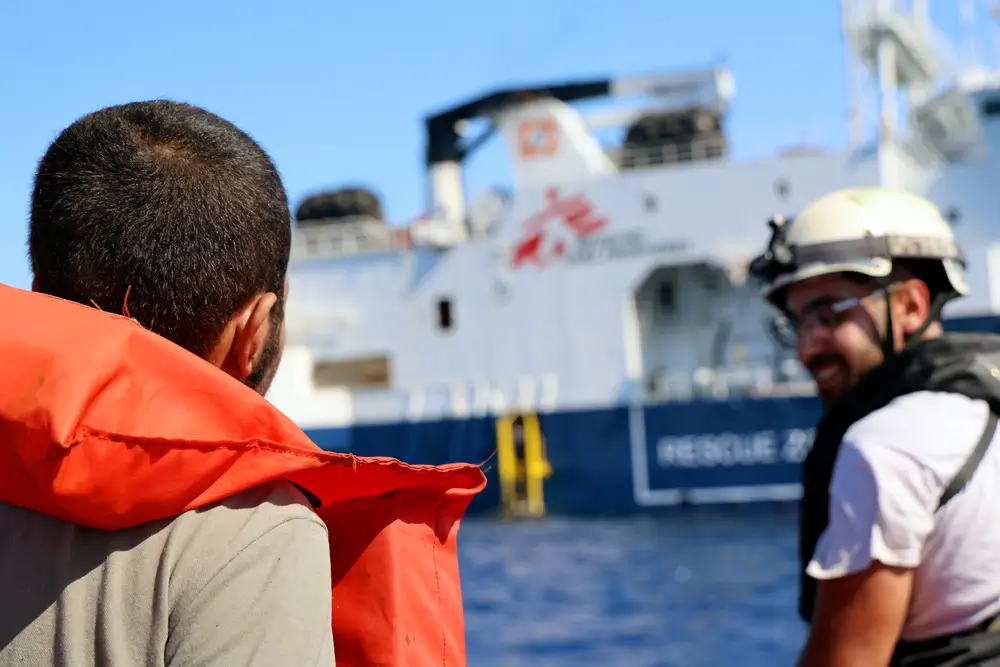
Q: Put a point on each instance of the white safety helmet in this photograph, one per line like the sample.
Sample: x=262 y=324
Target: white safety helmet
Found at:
x=857 y=230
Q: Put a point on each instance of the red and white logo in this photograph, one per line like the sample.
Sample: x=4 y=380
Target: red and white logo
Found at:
x=543 y=242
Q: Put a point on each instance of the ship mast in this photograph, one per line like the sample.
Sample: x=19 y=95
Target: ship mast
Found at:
x=853 y=72
x=896 y=46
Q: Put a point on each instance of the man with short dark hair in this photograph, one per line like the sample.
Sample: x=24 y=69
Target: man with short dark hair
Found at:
x=175 y=214
x=175 y=217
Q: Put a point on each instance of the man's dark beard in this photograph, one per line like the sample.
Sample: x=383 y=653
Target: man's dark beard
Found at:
x=832 y=359
x=267 y=364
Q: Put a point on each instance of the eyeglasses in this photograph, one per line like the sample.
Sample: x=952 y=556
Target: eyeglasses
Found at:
x=824 y=313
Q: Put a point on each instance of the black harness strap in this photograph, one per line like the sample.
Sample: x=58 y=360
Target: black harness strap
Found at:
x=975 y=458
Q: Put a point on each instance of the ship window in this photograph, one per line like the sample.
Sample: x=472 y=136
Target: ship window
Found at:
x=782 y=188
x=665 y=297
x=445 y=317
x=359 y=373
x=991 y=107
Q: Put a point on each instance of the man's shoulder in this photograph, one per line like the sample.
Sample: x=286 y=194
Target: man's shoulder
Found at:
x=252 y=581
x=251 y=513
x=255 y=509
x=260 y=520
x=921 y=424
x=278 y=497
x=917 y=442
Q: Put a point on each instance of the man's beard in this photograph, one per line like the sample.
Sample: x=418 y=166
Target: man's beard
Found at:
x=849 y=374
x=267 y=364
x=843 y=375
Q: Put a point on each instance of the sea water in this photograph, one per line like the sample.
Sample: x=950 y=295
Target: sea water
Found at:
x=700 y=587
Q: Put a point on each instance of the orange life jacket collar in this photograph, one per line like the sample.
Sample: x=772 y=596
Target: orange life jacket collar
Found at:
x=107 y=425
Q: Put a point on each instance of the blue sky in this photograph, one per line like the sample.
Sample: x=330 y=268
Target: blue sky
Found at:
x=336 y=91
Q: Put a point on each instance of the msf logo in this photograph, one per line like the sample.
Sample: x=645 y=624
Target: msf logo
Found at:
x=543 y=242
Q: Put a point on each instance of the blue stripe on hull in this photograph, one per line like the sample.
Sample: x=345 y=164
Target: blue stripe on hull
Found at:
x=621 y=459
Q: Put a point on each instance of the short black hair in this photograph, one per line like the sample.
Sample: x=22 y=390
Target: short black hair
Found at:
x=168 y=204
x=930 y=271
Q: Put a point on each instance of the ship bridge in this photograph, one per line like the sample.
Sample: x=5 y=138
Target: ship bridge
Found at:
x=675 y=118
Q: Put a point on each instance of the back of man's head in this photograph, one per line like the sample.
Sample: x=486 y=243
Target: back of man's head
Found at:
x=174 y=207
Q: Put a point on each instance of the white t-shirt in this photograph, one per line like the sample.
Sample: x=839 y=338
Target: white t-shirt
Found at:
x=889 y=476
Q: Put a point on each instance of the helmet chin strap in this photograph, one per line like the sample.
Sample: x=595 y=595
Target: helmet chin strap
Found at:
x=889 y=340
x=933 y=314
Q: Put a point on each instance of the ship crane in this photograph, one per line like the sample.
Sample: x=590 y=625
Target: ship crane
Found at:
x=903 y=53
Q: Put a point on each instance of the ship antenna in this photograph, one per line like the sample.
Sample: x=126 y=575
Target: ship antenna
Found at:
x=970 y=40
x=852 y=73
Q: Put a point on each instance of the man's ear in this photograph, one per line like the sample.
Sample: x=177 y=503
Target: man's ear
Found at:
x=245 y=337
x=913 y=299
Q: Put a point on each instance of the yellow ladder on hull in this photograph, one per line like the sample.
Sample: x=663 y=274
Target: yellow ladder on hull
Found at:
x=528 y=497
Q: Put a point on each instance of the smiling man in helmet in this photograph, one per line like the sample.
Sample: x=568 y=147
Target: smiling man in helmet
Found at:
x=900 y=518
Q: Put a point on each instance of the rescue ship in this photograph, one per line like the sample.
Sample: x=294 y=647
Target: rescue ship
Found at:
x=593 y=325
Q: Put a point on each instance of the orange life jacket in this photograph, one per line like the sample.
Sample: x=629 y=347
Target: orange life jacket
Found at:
x=107 y=425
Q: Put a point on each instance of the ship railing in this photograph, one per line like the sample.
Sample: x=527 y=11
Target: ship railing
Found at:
x=347 y=237
x=458 y=398
x=742 y=381
x=449 y=399
x=697 y=150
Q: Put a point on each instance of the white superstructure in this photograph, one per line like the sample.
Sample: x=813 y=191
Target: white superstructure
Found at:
x=614 y=274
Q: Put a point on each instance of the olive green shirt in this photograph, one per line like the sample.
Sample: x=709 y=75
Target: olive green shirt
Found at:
x=241 y=583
